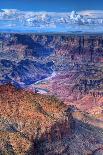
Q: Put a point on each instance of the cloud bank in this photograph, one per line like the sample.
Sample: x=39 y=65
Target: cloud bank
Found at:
x=26 y=21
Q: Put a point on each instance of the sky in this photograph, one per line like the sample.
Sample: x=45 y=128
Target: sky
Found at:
x=52 y=5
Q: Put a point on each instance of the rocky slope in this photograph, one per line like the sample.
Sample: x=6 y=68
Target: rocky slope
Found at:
x=74 y=62
x=34 y=124
x=25 y=117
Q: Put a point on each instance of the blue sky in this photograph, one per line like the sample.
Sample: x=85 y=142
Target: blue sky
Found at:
x=53 y=5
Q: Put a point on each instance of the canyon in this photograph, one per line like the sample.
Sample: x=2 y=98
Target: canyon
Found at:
x=51 y=94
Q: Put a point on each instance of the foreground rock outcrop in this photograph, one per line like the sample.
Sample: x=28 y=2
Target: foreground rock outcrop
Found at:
x=34 y=124
x=27 y=118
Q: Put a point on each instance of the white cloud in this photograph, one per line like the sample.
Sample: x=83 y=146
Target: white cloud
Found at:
x=51 y=21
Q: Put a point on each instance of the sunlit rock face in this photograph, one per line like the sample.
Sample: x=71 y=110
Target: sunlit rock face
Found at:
x=40 y=124
x=66 y=66
x=51 y=93
x=28 y=118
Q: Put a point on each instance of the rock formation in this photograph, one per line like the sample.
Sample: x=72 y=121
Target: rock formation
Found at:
x=69 y=118
x=26 y=117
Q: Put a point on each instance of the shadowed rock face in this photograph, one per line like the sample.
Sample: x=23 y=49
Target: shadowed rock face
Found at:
x=98 y=151
x=22 y=59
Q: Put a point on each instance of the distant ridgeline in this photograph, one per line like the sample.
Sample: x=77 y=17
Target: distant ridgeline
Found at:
x=28 y=58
